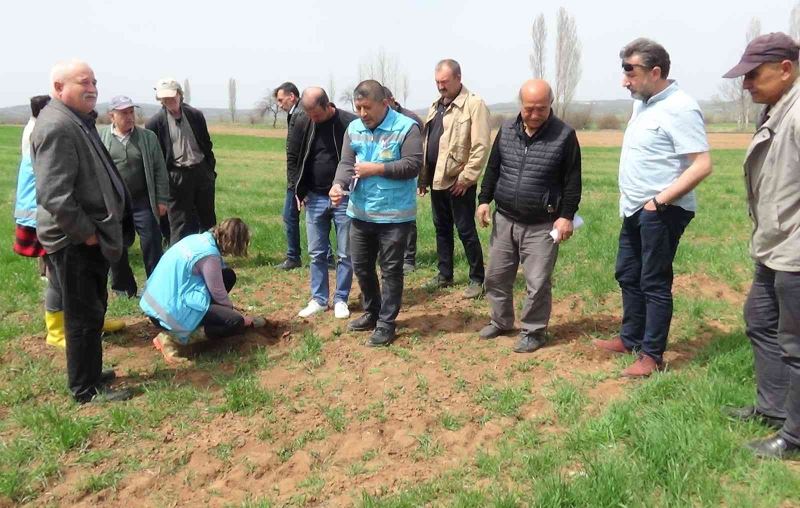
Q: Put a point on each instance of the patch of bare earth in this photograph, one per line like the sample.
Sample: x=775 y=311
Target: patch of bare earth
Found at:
x=392 y=402
x=612 y=138
x=239 y=130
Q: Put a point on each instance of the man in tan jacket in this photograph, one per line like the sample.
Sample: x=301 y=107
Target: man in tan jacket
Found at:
x=456 y=148
x=772 y=311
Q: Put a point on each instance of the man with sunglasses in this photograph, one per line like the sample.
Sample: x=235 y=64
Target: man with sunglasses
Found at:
x=772 y=311
x=664 y=157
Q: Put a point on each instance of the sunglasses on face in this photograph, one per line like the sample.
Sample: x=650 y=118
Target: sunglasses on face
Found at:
x=627 y=67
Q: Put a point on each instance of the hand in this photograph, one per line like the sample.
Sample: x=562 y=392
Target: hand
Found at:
x=459 y=188
x=92 y=240
x=162 y=210
x=299 y=202
x=422 y=190
x=248 y=321
x=564 y=228
x=336 y=194
x=484 y=215
x=367 y=169
x=650 y=206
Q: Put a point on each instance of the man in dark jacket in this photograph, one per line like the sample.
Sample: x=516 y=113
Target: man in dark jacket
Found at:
x=534 y=178
x=82 y=201
x=183 y=135
x=316 y=149
x=288 y=98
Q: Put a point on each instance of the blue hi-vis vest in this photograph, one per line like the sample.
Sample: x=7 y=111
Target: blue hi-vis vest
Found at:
x=25 y=206
x=175 y=295
x=376 y=198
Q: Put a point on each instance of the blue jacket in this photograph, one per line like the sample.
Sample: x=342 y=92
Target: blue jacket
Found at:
x=377 y=198
x=25 y=206
x=174 y=295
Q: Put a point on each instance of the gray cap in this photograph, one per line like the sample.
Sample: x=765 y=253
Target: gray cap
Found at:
x=121 y=102
x=773 y=47
x=167 y=87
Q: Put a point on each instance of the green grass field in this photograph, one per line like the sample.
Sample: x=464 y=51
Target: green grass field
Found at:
x=308 y=415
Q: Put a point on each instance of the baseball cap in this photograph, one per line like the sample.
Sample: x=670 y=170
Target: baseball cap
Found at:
x=167 y=87
x=121 y=102
x=772 y=47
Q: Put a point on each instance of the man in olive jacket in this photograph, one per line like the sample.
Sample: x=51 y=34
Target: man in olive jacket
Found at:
x=81 y=201
x=138 y=158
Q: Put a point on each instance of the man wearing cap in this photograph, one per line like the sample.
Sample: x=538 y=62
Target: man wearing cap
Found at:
x=80 y=217
x=138 y=158
x=772 y=310
x=664 y=157
x=410 y=260
x=187 y=149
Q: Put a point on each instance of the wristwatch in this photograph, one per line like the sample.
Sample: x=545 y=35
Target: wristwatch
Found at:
x=660 y=207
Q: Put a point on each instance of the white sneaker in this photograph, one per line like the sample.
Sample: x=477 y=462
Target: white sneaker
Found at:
x=312 y=308
x=340 y=310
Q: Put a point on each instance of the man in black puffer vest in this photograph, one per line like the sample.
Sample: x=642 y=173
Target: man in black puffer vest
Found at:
x=534 y=178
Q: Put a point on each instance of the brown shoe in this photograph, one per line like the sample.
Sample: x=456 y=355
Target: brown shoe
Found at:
x=614 y=345
x=642 y=367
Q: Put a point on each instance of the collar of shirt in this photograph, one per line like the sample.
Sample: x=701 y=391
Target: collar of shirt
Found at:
x=123 y=138
x=663 y=94
x=773 y=114
x=291 y=111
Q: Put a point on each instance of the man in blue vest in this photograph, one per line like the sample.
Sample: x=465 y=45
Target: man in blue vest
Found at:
x=381 y=159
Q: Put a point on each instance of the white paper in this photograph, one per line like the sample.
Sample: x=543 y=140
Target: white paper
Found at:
x=576 y=223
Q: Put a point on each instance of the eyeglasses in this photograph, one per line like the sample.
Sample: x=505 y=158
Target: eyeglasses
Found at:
x=628 y=67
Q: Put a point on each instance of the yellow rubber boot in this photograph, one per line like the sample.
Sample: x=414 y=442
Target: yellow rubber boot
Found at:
x=55 y=328
x=113 y=325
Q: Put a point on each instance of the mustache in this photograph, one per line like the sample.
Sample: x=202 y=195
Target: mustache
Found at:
x=90 y=95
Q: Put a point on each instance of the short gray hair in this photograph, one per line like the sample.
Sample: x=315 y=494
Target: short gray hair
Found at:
x=451 y=64
x=371 y=90
x=62 y=70
x=652 y=54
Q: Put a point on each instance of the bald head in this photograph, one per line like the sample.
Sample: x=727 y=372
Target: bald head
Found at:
x=73 y=83
x=536 y=98
x=317 y=105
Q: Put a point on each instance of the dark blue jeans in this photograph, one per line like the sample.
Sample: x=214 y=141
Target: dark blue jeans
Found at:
x=647 y=245
x=291 y=221
x=149 y=231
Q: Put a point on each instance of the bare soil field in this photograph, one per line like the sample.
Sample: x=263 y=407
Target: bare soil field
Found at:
x=401 y=415
x=603 y=138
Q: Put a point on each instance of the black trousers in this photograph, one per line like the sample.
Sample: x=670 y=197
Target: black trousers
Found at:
x=449 y=210
x=772 y=315
x=148 y=229
x=82 y=274
x=191 y=207
x=386 y=244
x=221 y=321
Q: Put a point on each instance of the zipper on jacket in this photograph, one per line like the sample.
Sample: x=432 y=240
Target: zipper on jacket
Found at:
x=519 y=178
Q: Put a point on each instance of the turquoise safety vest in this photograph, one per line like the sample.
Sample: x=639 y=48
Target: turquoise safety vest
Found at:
x=376 y=198
x=25 y=206
x=174 y=295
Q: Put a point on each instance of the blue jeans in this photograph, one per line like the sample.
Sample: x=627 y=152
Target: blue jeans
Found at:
x=149 y=231
x=319 y=216
x=291 y=221
x=647 y=245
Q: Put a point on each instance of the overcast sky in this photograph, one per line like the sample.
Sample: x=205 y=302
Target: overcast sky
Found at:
x=132 y=44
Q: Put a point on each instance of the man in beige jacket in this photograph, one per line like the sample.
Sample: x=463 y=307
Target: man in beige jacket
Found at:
x=456 y=148
x=772 y=311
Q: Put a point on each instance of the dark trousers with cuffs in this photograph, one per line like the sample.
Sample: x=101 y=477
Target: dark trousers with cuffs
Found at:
x=458 y=211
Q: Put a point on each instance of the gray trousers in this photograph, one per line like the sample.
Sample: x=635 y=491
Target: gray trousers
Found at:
x=772 y=315
x=513 y=243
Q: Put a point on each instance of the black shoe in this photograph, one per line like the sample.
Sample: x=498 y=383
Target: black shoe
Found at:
x=529 y=342
x=751 y=413
x=775 y=447
x=381 y=337
x=490 y=331
x=105 y=394
x=290 y=264
x=107 y=376
x=474 y=290
x=439 y=282
x=363 y=324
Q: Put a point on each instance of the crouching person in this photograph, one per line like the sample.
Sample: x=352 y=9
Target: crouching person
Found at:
x=189 y=287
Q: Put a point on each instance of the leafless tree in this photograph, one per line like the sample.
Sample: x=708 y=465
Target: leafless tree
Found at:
x=568 y=61
x=331 y=87
x=732 y=92
x=538 y=53
x=406 y=89
x=187 y=91
x=346 y=97
x=794 y=22
x=385 y=69
x=267 y=105
x=232 y=98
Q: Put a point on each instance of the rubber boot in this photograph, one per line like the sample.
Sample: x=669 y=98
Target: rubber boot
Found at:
x=55 y=328
x=113 y=325
x=171 y=351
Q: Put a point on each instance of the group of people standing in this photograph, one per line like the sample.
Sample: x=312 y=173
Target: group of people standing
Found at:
x=362 y=174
